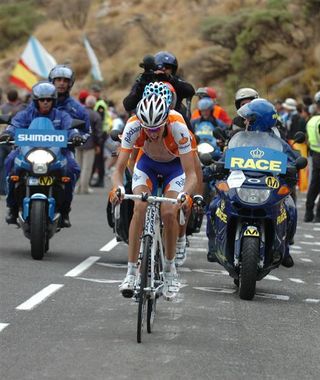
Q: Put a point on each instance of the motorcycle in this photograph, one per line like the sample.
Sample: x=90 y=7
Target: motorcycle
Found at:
x=253 y=218
x=39 y=179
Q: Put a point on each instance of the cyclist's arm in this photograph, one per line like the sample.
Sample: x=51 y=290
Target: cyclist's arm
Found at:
x=117 y=177
x=187 y=162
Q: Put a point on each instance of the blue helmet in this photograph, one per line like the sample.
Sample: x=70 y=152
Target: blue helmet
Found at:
x=163 y=59
x=261 y=114
x=205 y=104
x=158 y=88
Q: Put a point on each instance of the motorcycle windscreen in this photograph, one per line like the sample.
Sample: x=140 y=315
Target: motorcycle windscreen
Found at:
x=41 y=133
x=256 y=151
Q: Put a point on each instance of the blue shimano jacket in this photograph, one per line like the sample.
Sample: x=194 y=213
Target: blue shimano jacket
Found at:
x=75 y=110
x=61 y=120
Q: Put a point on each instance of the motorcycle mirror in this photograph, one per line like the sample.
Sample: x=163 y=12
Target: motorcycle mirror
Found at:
x=78 y=124
x=299 y=137
x=301 y=162
x=5 y=119
x=206 y=159
x=205 y=148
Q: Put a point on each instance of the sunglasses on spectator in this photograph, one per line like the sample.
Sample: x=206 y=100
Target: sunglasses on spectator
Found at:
x=45 y=100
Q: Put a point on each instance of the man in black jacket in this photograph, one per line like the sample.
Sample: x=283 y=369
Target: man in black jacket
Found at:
x=160 y=68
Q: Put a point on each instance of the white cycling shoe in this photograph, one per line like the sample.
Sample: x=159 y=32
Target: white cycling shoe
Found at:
x=127 y=286
x=181 y=254
x=171 y=286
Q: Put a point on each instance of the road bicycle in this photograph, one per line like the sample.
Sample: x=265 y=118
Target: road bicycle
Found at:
x=150 y=280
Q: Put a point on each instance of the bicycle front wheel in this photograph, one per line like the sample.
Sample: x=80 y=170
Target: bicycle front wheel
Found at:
x=143 y=284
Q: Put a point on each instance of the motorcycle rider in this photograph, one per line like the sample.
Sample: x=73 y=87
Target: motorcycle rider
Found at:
x=260 y=115
x=160 y=68
x=63 y=78
x=44 y=96
x=165 y=148
x=217 y=111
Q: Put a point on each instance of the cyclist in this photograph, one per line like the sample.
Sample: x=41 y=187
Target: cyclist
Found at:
x=165 y=149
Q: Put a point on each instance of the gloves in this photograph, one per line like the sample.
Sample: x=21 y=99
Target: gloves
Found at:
x=116 y=195
x=185 y=200
x=76 y=140
x=5 y=136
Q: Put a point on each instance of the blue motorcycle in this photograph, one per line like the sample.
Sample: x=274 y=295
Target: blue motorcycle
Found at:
x=39 y=181
x=252 y=219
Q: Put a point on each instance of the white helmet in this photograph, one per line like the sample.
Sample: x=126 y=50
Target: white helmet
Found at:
x=317 y=97
x=152 y=111
x=245 y=93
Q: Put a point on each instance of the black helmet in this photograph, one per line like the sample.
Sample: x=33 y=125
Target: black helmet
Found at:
x=164 y=58
x=245 y=93
x=43 y=90
x=62 y=71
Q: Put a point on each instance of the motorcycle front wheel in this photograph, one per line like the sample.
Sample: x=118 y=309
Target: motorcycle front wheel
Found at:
x=249 y=267
x=38 y=222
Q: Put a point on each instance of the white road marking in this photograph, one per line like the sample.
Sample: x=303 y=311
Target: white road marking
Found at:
x=184 y=269
x=295 y=247
x=272 y=278
x=119 y=266
x=315 y=250
x=3 y=326
x=279 y=297
x=39 y=297
x=109 y=246
x=211 y=271
x=316 y=229
x=308 y=236
x=195 y=238
x=216 y=290
x=296 y=280
x=82 y=266
x=296 y=252
x=306 y=260
x=310 y=242
x=197 y=249
x=100 y=281
x=312 y=300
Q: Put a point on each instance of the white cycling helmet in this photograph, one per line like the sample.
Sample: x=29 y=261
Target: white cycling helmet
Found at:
x=152 y=111
x=158 y=88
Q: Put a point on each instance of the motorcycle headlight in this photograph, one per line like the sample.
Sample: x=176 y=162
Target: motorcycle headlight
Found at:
x=255 y=196
x=40 y=159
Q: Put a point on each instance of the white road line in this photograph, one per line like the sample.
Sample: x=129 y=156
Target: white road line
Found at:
x=272 y=278
x=39 y=297
x=279 y=297
x=310 y=242
x=306 y=260
x=295 y=247
x=296 y=280
x=118 y=266
x=3 y=326
x=109 y=246
x=316 y=229
x=215 y=290
x=100 y=281
x=82 y=266
x=312 y=300
x=197 y=249
x=315 y=250
x=197 y=238
x=308 y=236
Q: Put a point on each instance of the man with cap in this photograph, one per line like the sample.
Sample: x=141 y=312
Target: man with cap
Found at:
x=291 y=119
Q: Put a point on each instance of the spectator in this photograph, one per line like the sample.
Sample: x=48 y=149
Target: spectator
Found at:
x=85 y=154
x=313 y=133
x=292 y=121
x=83 y=96
x=11 y=107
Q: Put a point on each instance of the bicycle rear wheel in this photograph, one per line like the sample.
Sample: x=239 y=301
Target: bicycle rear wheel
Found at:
x=143 y=284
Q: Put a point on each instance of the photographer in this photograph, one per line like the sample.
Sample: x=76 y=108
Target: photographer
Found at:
x=160 y=68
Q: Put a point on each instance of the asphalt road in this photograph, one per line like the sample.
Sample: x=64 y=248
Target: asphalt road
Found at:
x=64 y=318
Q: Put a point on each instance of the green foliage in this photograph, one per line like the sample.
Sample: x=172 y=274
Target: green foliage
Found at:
x=18 y=19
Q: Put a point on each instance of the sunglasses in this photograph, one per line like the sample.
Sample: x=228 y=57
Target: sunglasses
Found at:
x=152 y=130
x=45 y=100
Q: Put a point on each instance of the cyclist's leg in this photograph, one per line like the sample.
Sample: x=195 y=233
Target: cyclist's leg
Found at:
x=140 y=183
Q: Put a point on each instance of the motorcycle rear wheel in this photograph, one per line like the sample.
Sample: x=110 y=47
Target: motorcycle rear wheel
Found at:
x=38 y=221
x=249 y=267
